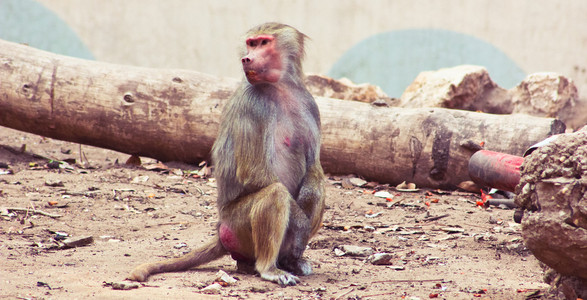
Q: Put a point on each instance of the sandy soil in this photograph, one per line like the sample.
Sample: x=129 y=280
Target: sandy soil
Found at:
x=140 y=214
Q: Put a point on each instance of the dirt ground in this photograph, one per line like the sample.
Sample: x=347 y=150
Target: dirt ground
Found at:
x=139 y=214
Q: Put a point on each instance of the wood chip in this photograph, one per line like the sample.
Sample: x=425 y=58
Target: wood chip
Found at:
x=452 y=229
x=76 y=242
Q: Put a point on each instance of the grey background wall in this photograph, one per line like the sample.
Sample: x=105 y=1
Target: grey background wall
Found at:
x=383 y=42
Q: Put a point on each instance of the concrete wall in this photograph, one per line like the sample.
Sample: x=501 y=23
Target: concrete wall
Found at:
x=386 y=42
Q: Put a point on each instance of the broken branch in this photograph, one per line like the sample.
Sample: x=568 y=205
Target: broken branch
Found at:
x=34 y=211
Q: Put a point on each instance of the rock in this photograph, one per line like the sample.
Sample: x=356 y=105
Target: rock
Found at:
x=553 y=194
x=470 y=186
x=548 y=95
x=369 y=228
x=54 y=183
x=465 y=87
x=338 y=252
x=357 y=182
x=355 y=250
x=380 y=259
x=124 y=285
x=406 y=186
x=564 y=287
x=224 y=277
x=140 y=179
x=180 y=245
x=76 y=242
x=346 y=184
x=469 y=87
x=323 y=86
x=214 y=288
x=383 y=194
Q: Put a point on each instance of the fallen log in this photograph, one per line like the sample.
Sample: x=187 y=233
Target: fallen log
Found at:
x=173 y=115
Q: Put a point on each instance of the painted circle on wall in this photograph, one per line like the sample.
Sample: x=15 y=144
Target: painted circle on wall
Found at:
x=392 y=60
x=29 y=22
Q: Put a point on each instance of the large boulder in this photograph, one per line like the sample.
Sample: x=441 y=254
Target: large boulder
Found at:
x=553 y=195
x=547 y=95
x=470 y=87
x=324 y=86
x=465 y=87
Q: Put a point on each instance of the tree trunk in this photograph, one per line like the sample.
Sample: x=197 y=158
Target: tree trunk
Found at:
x=173 y=115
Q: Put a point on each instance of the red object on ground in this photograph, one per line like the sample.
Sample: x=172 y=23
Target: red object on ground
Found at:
x=495 y=169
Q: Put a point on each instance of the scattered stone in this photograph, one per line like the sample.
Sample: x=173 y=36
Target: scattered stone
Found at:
x=484 y=237
x=224 y=277
x=259 y=289
x=338 y=252
x=76 y=242
x=346 y=184
x=564 y=287
x=43 y=284
x=469 y=186
x=373 y=215
x=515 y=247
x=54 y=183
x=354 y=250
x=383 y=194
x=53 y=164
x=59 y=236
x=66 y=166
x=214 y=288
x=380 y=259
x=123 y=285
x=4 y=212
x=406 y=187
x=369 y=228
x=357 y=182
x=156 y=167
x=140 y=179
x=133 y=160
x=180 y=245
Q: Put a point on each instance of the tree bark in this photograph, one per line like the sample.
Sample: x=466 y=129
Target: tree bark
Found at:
x=173 y=115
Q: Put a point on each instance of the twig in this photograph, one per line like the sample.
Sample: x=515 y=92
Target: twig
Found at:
x=200 y=190
x=344 y=294
x=34 y=211
x=509 y=203
x=83 y=158
x=407 y=280
x=376 y=295
x=435 y=218
x=13 y=150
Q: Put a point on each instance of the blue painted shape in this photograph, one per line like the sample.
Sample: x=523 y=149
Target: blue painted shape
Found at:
x=26 y=21
x=392 y=60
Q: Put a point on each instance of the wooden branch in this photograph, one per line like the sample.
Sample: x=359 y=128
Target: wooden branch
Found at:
x=173 y=115
x=32 y=211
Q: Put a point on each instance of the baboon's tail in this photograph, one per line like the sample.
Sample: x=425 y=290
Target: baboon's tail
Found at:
x=209 y=252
